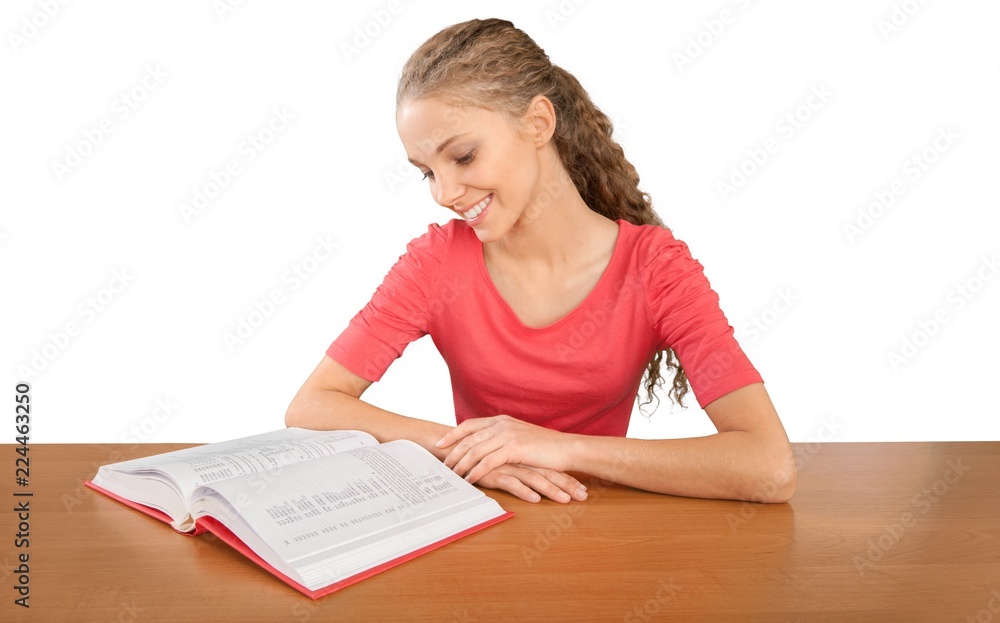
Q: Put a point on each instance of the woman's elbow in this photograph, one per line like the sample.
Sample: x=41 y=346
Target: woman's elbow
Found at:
x=778 y=480
x=295 y=414
x=291 y=417
x=312 y=408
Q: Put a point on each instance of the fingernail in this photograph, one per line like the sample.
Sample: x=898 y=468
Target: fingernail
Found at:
x=582 y=493
x=439 y=441
x=563 y=496
x=535 y=497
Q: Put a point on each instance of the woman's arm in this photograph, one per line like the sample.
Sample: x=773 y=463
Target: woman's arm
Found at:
x=330 y=399
x=748 y=459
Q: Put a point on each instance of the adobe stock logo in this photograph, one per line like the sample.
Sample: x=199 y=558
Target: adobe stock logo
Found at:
x=32 y=26
x=898 y=17
x=223 y=8
x=264 y=308
x=960 y=295
x=122 y=107
x=914 y=168
x=252 y=146
x=985 y=615
x=753 y=329
x=921 y=503
x=58 y=341
x=714 y=28
x=366 y=33
x=560 y=13
x=787 y=126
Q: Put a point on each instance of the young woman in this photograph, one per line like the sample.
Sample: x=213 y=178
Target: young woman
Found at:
x=552 y=292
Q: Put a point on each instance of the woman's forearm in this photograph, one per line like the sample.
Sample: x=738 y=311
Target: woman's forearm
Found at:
x=728 y=465
x=323 y=409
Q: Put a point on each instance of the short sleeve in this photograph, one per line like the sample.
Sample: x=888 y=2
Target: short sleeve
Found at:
x=686 y=317
x=398 y=311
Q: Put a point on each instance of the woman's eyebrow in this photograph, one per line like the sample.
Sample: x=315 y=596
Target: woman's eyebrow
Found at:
x=440 y=147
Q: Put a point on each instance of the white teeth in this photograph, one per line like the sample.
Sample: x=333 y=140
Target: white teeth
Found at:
x=477 y=209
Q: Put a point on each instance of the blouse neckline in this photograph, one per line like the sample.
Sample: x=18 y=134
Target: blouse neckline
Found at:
x=594 y=292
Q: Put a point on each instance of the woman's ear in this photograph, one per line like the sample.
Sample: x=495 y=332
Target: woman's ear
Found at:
x=541 y=116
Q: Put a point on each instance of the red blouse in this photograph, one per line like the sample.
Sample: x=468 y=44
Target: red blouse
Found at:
x=580 y=374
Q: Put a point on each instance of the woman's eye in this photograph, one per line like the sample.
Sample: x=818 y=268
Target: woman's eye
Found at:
x=464 y=160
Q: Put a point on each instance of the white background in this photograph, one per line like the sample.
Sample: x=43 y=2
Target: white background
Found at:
x=688 y=103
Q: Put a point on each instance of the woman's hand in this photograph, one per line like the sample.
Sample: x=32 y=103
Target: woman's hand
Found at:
x=481 y=445
x=528 y=482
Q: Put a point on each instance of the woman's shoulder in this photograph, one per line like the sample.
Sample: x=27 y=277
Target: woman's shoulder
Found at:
x=673 y=280
x=442 y=231
x=653 y=245
x=431 y=254
x=437 y=237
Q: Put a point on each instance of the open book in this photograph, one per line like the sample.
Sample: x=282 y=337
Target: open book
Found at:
x=319 y=509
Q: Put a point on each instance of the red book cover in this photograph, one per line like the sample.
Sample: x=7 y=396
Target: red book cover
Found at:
x=210 y=524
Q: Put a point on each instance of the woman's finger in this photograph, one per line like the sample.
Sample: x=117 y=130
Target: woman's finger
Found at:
x=494 y=459
x=554 y=485
x=576 y=489
x=511 y=484
x=463 y=430
x=470 y=445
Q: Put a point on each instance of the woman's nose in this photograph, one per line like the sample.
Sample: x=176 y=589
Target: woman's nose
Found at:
x=448 y=191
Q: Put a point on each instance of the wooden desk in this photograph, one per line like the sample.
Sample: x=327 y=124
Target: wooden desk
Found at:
x=875 y=532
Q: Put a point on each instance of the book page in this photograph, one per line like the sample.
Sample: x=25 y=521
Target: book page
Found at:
x=329 y=503
x=192 y=467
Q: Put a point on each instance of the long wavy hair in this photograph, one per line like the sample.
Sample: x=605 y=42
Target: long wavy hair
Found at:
x=491 y=64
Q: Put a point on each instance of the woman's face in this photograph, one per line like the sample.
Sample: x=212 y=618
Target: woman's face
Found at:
x=472 y=158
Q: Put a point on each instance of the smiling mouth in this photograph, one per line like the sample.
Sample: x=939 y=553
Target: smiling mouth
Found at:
x=477 y=209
